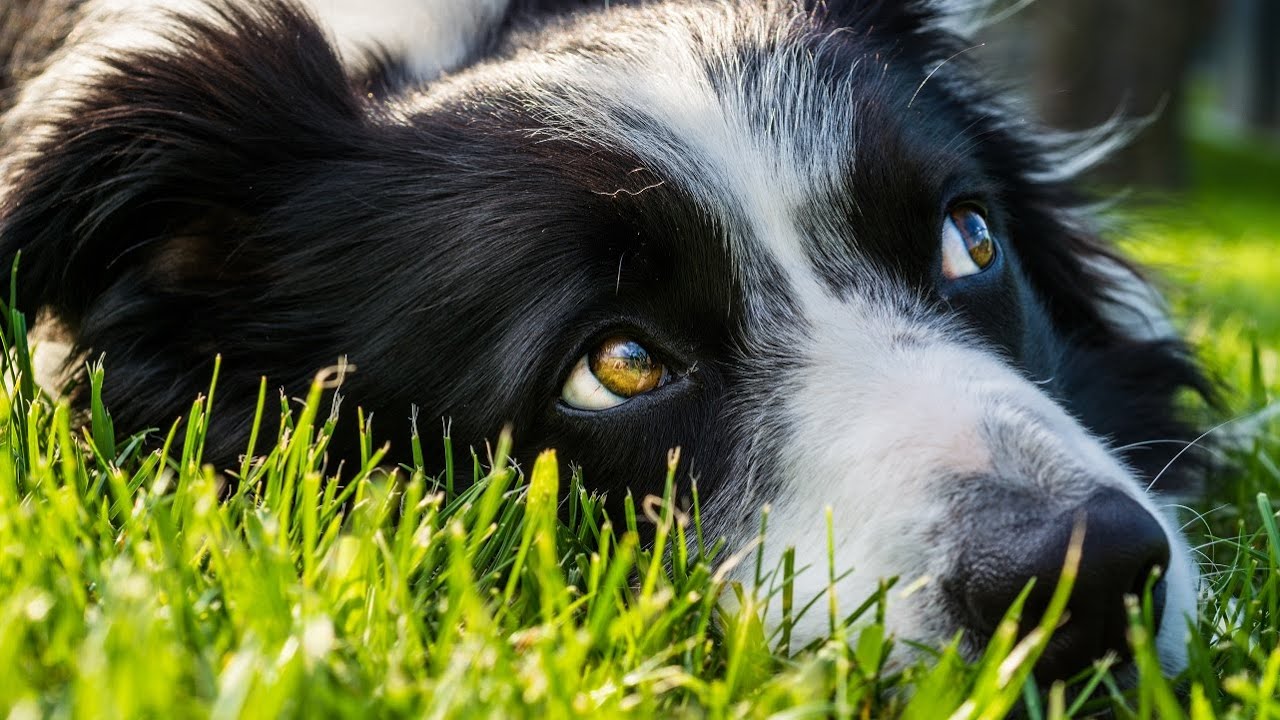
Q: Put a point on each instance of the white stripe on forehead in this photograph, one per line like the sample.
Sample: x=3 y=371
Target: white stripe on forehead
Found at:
x=694 y=94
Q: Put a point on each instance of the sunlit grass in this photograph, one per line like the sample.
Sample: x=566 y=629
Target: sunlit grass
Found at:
x=132 y=586
x=138 y=584
x=1217 y=251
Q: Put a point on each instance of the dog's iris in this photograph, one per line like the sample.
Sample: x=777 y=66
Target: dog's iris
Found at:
x=967 y=245
x=625 y=367
x=616 y=371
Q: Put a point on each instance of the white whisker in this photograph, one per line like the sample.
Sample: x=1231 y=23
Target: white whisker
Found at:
x=936 y=69
x=1203 y=435
x=1213 y=543
x=1198 y=516
x=1149 y=443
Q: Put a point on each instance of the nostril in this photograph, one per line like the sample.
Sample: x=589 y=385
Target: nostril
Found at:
x=1123 y=545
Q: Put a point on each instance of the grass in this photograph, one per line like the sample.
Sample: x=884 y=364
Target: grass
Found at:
x=130 y=587
x=1216 y=250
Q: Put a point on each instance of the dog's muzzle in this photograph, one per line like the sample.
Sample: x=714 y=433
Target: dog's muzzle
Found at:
x=1123 y=546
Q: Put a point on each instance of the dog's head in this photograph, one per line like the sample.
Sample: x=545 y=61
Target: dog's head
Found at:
x=810 y=246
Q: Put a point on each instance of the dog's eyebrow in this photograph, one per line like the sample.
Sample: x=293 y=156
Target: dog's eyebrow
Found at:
x=632 y=193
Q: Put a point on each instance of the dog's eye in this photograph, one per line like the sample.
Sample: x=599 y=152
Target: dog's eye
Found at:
x=616 y=371
x=967 y=245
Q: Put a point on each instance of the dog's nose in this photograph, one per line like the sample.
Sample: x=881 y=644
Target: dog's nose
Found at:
x=1123 y=545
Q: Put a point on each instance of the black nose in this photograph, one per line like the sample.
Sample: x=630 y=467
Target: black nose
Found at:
x=1123 y=544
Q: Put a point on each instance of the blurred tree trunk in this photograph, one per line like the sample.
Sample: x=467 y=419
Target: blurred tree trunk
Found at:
x=1264 y=108
x=1093 y=58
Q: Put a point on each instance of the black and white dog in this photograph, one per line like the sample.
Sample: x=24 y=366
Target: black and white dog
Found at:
x=805 y=241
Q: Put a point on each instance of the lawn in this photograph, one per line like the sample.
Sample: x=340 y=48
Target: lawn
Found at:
x=129 y=588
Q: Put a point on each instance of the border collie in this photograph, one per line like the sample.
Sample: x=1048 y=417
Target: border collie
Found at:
x=807 y=242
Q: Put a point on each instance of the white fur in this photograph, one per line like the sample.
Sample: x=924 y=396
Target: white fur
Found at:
x=880 y=433
x=1133 y=306
x=432 y=35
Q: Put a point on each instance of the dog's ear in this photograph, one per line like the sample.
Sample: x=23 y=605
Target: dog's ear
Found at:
x=163 y=156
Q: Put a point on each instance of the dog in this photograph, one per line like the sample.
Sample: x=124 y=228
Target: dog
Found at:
x=809 y=243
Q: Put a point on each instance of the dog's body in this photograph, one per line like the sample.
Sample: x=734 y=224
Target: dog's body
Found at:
x=805 y=242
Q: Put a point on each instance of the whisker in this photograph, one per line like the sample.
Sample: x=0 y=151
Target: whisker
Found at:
x=1214 y=452
x=1148 y=443
x=1214 y=542
x=1197 y=516
x=931 y=72
x=1216 y=573
x=1203 y=435
x=1206 y=561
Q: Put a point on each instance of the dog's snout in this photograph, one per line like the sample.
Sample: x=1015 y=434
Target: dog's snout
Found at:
x=1123 y=545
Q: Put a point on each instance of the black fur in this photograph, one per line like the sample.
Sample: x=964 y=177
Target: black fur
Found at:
x=239 y=194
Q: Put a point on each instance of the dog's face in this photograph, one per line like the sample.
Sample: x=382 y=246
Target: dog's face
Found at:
x=834 y=269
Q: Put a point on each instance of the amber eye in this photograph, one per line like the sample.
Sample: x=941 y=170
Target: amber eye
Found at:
x=616 y=371
x=967 y=245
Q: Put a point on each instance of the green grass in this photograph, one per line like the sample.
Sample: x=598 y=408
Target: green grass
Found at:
x=130 y=587
x=1217 y=249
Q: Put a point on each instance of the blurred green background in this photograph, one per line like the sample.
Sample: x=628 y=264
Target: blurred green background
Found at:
x=1200 y=185
x=1216 y=247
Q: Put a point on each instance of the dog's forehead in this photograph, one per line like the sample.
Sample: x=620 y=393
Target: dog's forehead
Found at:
x=753 y=114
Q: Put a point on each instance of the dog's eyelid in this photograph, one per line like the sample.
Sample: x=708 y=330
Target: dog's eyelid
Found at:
x=974 y=204
x=666 y=345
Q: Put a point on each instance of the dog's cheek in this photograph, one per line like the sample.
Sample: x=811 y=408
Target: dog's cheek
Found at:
x=892 y=427
x=872 y=428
